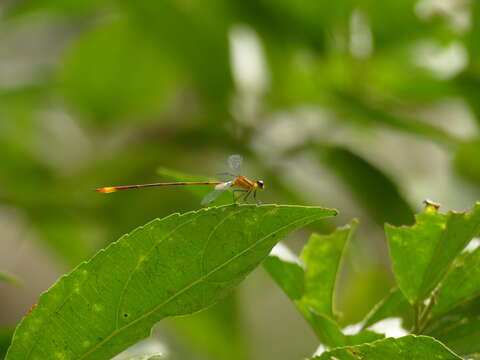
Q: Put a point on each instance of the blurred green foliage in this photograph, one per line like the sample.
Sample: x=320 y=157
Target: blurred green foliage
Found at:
x=96 y=93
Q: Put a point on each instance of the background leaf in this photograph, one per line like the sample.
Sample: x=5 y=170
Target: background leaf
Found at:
x=174 y=266
x=372 y=188
x=114 y=72
x=10 y=278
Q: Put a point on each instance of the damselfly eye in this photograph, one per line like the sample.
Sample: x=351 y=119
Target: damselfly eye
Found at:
x=260 y=184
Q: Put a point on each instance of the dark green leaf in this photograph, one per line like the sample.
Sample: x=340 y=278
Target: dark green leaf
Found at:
x=462 y=283
x=433 y=242
x=174 y=266
x=409 y=347
x=196 y=36
x=459 y=329
x=373 y=189
x=462 y=337
x=5 y=339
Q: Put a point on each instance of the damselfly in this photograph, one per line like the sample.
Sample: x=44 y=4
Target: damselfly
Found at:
x=238 y=182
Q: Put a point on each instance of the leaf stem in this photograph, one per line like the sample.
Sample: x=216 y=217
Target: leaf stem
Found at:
x=426 y=312
x=416 y=318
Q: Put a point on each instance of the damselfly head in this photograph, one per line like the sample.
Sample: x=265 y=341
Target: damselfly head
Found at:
x=260 y=184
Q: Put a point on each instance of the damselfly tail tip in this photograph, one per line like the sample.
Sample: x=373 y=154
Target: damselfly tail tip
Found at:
x=106 y=190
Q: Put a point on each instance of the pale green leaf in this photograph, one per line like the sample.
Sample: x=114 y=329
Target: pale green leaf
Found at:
x=409 y=347
x=174 y=266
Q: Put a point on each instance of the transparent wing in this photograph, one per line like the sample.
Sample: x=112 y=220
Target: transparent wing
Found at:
x=225 y=176
x=235 y=163
x=211 y=197
x=219 y=189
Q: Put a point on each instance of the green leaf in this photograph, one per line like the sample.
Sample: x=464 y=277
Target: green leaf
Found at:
x=289 y=276
x=473 y=37
x=372 y=188
x=460 y=328
x=5 y=340
x=462 y=337
x=114 y=71
x=330 y=334
x=322 y=256
x=465 y=160
x=461 y=284
x=409 y=347
x=10 y=278
x=174 y=266
x=196 y=36
x=433 y=242
x=312 y=289
x=393 y=305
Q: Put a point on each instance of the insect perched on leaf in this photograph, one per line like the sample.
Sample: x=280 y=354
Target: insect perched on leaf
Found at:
x=238 y=183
